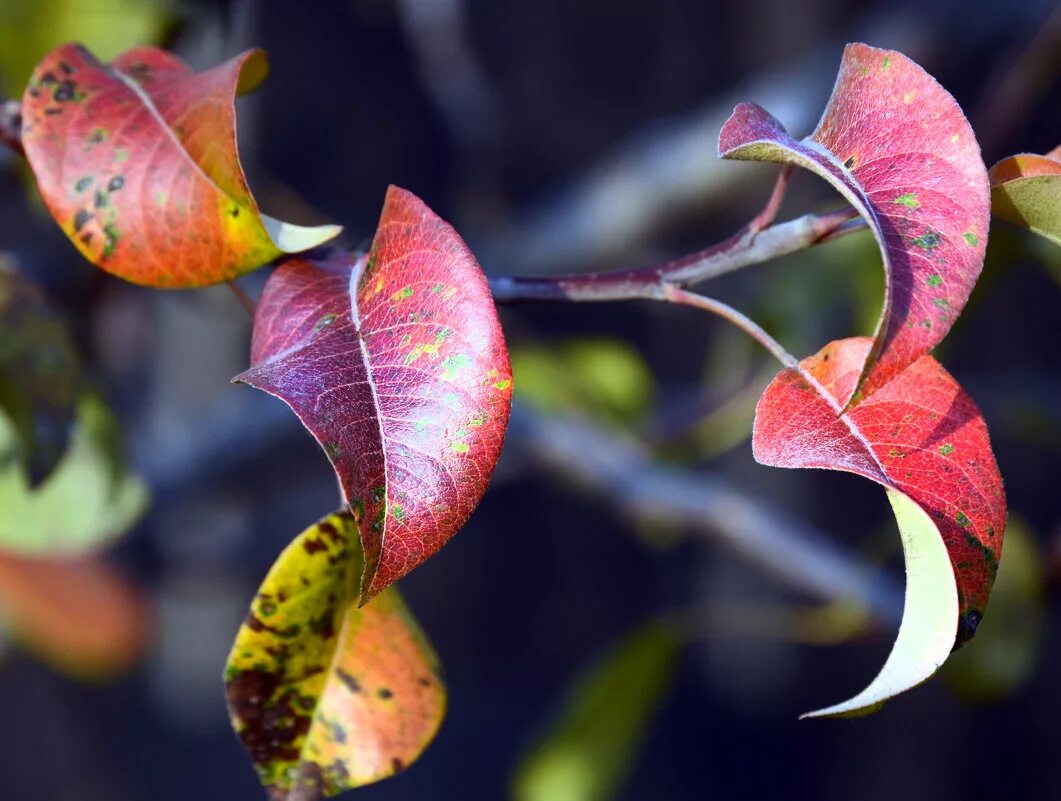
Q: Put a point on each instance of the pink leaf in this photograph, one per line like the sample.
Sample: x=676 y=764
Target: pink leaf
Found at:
x=897 y=146
x=919 y=436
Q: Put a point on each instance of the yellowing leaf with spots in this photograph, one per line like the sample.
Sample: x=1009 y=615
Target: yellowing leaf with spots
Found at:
x=324 y=695
x=137 y=162
x=395 y=361
x=897 y=146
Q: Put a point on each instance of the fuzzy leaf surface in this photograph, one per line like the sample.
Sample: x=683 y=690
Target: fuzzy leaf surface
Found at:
x=138 y=164
x=898 y=147
x=324 y=695
x=395 y=362
x=923 y=439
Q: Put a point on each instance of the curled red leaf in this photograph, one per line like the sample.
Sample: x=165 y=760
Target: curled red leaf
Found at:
x=396 y=363
x=898 y=148
x=137 y=162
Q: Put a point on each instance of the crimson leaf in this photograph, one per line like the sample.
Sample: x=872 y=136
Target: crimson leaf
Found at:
x=396 y=363
x=923 y=439
x=897 y=146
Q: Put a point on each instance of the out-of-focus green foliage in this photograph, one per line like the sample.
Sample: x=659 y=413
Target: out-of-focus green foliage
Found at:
x=40 y=373
x=31 y=28
x=591 y=747
x=87 y=500
x=1003 y=655
x=603 y=378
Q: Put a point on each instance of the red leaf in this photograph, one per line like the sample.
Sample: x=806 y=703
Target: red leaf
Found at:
x=897 y=146
x=920 y=435
x=137 y=162
x=396 y=363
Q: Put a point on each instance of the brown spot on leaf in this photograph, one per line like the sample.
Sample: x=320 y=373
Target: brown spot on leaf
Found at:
x=314 y=545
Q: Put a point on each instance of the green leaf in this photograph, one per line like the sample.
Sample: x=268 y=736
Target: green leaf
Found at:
x=1026 y=190
x=30 y=29
x=604 y=378
x=591 y=747
x=85 y=502
x=40 y=373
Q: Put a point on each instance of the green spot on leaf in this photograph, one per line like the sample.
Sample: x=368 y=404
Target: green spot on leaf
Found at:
x=459 y=447
x=453 y=364
x=928 y=240
x=971 y=239
x=909 y=200
x=962 y=520
x=934 y=280
x=946 y=449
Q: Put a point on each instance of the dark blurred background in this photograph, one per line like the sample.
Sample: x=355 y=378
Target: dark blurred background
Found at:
x=564 y=136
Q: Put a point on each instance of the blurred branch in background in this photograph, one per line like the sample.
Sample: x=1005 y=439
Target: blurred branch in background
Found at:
x=621 y=471
x=660 y=173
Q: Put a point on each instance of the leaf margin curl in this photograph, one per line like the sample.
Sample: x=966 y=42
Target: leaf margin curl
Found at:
x=751 y=133
x=317 y=306
x=213 y=230
x=915 y=435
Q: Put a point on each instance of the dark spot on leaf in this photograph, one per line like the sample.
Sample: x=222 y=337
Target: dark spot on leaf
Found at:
x=928 y=240
x=425 y=681
x=48 y=77
x=100 y=199
x=850 y=163
x=331 y=532
x=398 y=765
x=384 y=693
x=314 y=545
x=86 y=238
x=348 y=681
x=51 y=112
x=271 y=727
x=234 y=212
x=66 y=68
x=83 y=184
x=82 y=217
x=65 y=92
x=97 y=136
x=116 y=183
x=967 y=626
x=324 y=321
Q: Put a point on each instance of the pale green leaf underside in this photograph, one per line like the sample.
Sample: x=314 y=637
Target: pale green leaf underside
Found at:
x=290 y=238
x=1034 y=202
x=930 y=614
x=80 y=505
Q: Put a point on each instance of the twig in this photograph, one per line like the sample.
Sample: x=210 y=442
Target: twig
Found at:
x=620 y=470
x=245 y=300
x=746 y=247
x=728 y=313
